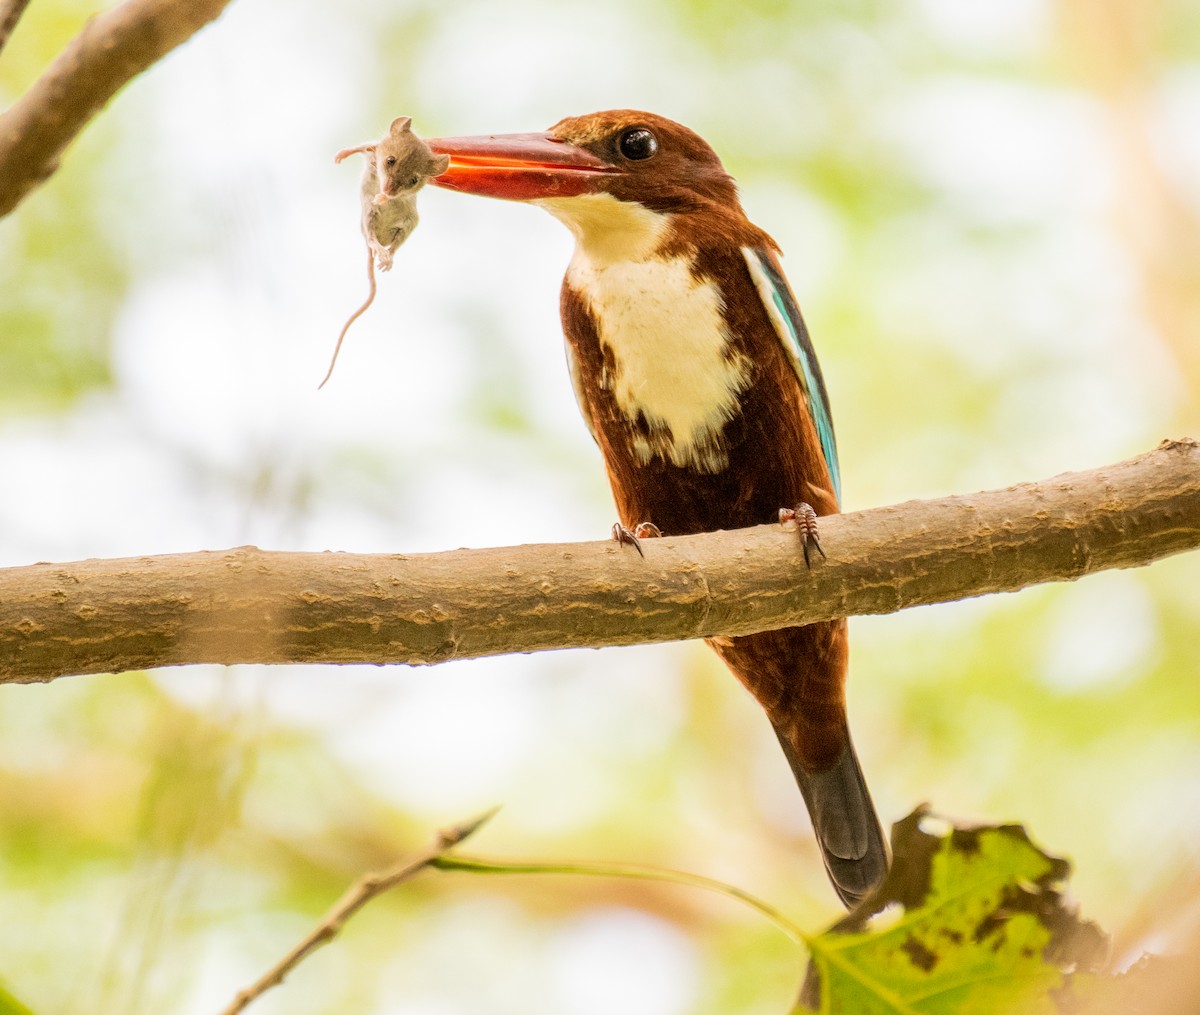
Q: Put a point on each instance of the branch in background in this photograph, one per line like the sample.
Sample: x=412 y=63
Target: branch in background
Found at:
x=366 y=888
x=113 y=48
x=254 y=606
x=10 y=14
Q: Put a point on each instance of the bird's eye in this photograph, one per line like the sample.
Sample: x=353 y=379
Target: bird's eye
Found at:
x=637 y=144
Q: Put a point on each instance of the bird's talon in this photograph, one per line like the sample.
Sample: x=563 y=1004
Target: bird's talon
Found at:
x=626 y=537
x=633 y=537
x=806 y=523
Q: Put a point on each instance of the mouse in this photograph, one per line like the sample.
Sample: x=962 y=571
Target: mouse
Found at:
x=397 y=166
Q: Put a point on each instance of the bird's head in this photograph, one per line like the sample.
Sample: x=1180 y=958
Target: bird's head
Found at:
x=622 y=172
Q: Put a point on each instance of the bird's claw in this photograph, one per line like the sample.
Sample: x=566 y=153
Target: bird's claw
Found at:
x=633 y=537
x=806 y=523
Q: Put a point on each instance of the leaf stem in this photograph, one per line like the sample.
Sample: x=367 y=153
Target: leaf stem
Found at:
x=643 y=872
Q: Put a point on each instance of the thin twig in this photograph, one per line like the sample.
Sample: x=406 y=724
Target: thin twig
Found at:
x=10 y=14
x=366 y=888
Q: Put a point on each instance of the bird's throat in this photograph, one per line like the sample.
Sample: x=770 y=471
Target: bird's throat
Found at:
x=606 y=230
x=668 y=364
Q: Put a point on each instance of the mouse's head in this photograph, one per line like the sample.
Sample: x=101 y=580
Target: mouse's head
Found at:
x=404 y=162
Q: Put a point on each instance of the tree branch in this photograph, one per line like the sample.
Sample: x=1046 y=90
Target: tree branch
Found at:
x=113 y=48
x=366 y=888
x=255 y=606
x=10 y=14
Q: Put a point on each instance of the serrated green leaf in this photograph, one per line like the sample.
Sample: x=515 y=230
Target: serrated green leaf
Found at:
x=969 y=920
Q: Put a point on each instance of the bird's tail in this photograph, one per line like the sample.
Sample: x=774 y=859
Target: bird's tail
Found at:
x=852 y=844
x=798 y=676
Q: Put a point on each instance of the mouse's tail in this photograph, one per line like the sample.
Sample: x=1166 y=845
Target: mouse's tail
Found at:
x=354 y=316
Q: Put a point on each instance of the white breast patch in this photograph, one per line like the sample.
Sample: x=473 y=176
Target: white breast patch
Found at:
x=670 y=350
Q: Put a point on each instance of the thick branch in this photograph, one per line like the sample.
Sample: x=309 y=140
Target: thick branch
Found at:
x=254 y=606
x=113 y=48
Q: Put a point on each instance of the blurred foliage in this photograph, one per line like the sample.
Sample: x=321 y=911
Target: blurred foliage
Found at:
x=63 y=275
x=990 y=217
x=9 y=1005
x=68 y=281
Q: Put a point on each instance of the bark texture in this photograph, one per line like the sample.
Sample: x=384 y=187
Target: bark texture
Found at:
x=255 y=606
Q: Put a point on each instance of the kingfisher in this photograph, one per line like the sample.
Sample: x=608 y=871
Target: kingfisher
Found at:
x=697 y=378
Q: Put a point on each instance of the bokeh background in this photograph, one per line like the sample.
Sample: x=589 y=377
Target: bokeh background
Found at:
x=990 y=216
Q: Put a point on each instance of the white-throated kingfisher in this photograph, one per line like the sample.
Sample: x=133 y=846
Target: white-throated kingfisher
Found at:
x=696 y=376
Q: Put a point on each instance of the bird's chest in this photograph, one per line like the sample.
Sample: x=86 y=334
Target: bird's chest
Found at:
x=655 y=361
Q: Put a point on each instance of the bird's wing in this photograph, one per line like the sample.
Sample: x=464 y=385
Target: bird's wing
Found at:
x=577 y=387
x=780 y=303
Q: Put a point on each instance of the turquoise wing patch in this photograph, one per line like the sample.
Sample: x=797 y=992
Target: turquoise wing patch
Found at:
x=780 y=303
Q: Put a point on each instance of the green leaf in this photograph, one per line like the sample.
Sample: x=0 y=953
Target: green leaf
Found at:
x=969 y=920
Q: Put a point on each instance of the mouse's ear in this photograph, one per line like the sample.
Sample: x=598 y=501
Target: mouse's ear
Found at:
x=400 y=125
x=440 y=164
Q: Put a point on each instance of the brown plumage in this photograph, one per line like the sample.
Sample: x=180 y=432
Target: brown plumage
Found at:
x=637 y=218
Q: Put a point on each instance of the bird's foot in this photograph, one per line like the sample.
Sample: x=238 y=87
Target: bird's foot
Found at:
x=806 y=522
x=633 y=537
